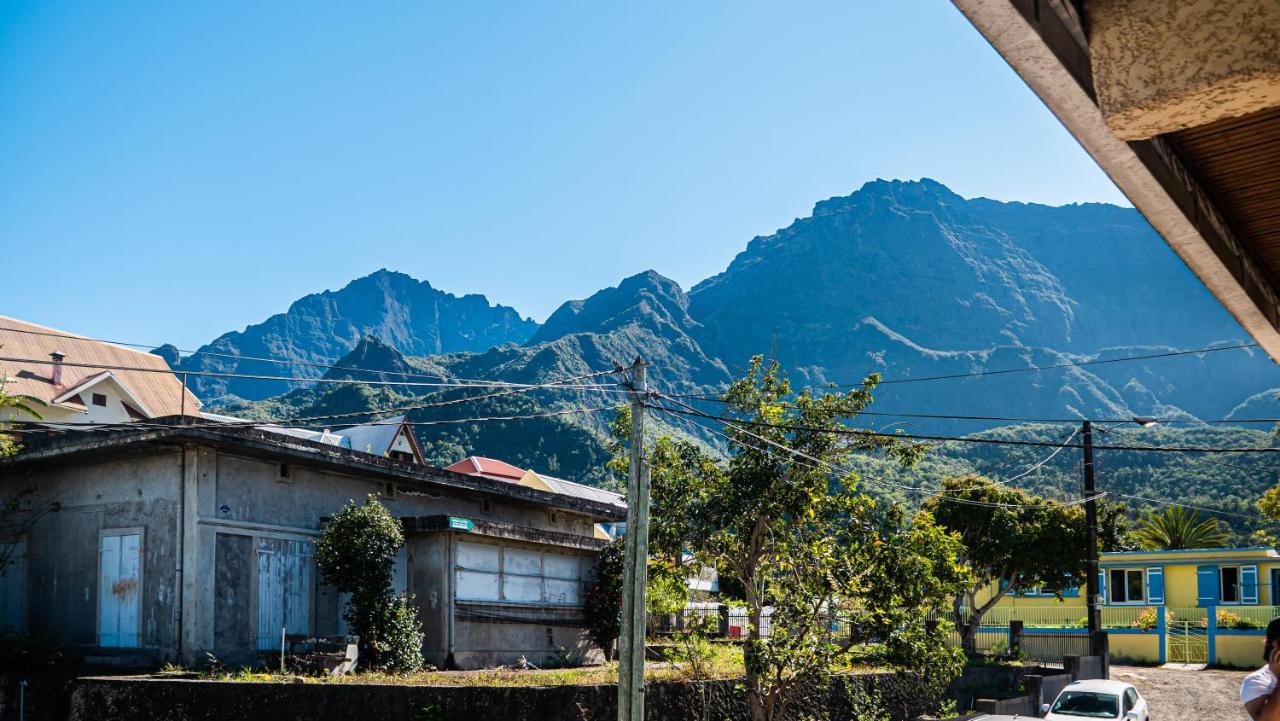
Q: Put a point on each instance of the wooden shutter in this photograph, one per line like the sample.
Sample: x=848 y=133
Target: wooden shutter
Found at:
x=1155 y=585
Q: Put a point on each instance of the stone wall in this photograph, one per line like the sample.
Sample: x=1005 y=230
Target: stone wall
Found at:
x=143 y=699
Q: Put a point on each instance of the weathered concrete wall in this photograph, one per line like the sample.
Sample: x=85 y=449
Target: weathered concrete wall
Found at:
x=61 y=594
x=203 y=514
x=151 y=700
x=1161 y=66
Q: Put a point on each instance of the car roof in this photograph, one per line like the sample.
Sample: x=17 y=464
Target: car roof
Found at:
x=1099 y=686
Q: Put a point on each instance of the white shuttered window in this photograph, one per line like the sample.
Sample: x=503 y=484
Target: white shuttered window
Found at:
x=501 y=574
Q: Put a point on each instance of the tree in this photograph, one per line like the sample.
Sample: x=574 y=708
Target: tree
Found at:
x=1179 y=528
x=11 y=407
x=1012 y=541
x=790 y=527
x=356 y=553
x=604 y=599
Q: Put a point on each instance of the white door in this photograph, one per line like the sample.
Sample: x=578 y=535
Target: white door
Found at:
x=11 y=586
x=284 y=590
x=119 y=587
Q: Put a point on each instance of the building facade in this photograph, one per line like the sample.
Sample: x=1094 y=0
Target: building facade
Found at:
x=1207 y=605
x=174 y=540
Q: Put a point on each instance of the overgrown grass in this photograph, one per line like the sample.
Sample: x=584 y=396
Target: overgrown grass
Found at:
x=723 y=661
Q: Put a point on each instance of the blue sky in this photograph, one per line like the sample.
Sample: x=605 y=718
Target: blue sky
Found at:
x=172 y=171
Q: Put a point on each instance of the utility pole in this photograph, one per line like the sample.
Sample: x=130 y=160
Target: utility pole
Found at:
x=1091 y=540
x=635 y=562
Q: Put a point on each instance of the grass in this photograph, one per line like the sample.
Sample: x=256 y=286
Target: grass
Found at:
x=723 y=661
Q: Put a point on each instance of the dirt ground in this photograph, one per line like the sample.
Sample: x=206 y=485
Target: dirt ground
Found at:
x=1208 y=695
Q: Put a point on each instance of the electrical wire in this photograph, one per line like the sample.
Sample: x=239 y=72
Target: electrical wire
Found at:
x=458 y=383
x=988 y=441
x=941 y=494
x=1031 y=369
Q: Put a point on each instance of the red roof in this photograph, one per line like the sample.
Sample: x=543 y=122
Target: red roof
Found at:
x=488 y=468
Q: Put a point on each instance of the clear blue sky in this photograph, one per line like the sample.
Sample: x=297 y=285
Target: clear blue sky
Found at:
x=169 y=171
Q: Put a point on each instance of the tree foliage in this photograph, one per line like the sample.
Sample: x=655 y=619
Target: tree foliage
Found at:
x=12 y=406
x=1177 y=529
x=839 y=571
x=604 y=599
x=1012 y=541
x=356 y=554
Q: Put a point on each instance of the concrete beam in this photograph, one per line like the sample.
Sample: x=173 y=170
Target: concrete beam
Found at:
x=1036 y=42
x=1161 y=66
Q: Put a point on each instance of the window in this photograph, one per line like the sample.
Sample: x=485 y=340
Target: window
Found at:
x=100 y=399
x=1230 y=584
x=284 y=470
x=1130 y=700
x=503 y=574
x=1126 y=585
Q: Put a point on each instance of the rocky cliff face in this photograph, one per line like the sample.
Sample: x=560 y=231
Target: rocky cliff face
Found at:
x=906 y=279
x=318 y=329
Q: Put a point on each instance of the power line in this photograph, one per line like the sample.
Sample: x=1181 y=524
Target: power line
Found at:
x=458 y=383
x=940 y=493
x=192 y=353
x=965 y=439
x=1187 y=506
x=1031 y=369
x=1012 y=419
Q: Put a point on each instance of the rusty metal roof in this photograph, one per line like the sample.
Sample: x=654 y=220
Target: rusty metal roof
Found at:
x=145 y=375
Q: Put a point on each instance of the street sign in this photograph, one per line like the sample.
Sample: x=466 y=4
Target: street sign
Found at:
x=461 y=524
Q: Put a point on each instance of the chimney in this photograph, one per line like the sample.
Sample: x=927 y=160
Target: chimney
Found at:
x=57 y=367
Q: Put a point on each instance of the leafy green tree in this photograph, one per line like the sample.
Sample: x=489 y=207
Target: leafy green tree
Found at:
x=1012 y=541
x=1177 y=529
x=798 y=536
x=356 y=553
x=604 y=599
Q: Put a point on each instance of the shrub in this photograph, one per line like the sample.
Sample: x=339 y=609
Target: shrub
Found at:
x=356 y=553
x=604 y=599
x=1228 y=619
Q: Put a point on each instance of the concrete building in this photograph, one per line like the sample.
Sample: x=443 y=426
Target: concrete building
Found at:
x=168 y=541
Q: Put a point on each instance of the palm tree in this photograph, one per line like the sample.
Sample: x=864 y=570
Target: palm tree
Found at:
x=1179 y=528
x=16 y=406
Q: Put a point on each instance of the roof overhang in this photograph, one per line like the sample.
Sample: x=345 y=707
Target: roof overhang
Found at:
x=76 y=446
x=1047 y=44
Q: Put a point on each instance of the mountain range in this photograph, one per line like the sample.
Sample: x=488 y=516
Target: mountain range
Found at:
x=902 y=278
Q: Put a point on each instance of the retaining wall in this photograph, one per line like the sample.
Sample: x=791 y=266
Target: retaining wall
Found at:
x=902 y=696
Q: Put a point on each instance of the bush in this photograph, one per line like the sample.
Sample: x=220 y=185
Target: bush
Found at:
x=604 y=599
x=1227 y=619
x=356 y=553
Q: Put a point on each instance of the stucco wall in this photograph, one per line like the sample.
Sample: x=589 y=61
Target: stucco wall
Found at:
x=1161 y=66
x=61 y=594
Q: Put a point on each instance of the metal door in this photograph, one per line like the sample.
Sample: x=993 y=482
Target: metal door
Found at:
x=119 y=586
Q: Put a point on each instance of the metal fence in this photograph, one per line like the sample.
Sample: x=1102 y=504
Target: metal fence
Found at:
x=1049 y=648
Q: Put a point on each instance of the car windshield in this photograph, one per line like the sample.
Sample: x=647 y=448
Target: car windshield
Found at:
x=1087 y=703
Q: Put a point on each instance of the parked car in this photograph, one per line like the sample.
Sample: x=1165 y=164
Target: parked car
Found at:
x=1097 y=700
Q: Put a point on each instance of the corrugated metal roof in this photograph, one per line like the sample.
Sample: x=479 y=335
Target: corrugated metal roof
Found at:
x=154 y=384
x=375 y=437
x=578 y=490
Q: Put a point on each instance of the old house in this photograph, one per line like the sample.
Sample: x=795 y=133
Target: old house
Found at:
x=173 y=540
x=77 y=380
x=153 y=532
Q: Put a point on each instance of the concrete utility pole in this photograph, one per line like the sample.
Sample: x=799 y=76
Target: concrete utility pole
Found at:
x=635 y=562
x=1091 y=539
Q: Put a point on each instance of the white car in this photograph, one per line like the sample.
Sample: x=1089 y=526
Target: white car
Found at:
x=1097 y=700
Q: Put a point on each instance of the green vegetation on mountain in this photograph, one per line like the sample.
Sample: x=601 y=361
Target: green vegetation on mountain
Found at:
x=906 y=279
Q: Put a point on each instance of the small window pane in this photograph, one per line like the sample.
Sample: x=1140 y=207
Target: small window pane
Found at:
x=522 y=589
x=526 y=563
x=1135 y=586
x=1116 y=587
x=1231 y=585
x=555 y=566
x=474 y=586
x=478 y=557
x=563 y=592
